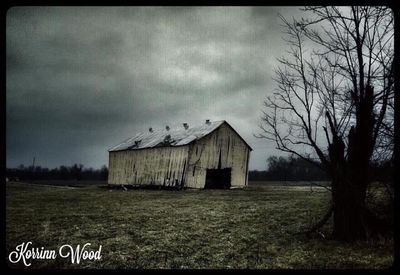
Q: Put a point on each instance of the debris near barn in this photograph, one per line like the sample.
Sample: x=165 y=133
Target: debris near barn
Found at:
x=212 y=155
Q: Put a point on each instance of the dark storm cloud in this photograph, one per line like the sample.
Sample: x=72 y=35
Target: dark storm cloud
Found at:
x=82 y=79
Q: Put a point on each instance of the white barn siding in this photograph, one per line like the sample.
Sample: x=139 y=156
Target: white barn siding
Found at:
x=152 y=165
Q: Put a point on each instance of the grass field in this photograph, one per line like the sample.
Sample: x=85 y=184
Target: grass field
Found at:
x=251 y=228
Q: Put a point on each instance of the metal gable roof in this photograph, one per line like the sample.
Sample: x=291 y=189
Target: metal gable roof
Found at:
x=173 y=137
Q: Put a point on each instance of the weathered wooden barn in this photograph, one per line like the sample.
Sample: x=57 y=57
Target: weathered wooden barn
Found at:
x=212 y=155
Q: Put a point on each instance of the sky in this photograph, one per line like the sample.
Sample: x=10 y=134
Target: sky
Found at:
x=82 y=79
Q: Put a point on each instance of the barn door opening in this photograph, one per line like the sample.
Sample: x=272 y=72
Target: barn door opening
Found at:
x=218 y=178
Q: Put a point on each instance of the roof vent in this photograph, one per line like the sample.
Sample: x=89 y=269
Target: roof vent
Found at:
x=167 y=139
x=208 y=122
x=167 y=128
x=151 y=130
x=166 y=142
x=136 y=145
x=186 y=126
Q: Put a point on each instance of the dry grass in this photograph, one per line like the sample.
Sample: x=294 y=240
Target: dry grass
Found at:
x=252 y=228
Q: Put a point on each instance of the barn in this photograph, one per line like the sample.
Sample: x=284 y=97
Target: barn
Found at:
x=211 y=155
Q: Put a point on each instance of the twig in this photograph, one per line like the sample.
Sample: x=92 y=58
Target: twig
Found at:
x=320 y=185
x=319 y=224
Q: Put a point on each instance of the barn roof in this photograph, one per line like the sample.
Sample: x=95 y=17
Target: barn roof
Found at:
x=173 y=137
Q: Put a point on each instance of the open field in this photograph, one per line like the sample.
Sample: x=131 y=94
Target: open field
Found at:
x=252 y=228
x=71 y=183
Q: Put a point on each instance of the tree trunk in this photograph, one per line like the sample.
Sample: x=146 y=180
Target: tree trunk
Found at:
x=351 y=218
x=348 y=212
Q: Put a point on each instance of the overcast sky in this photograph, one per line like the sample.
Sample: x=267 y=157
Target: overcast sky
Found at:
x=80 y=80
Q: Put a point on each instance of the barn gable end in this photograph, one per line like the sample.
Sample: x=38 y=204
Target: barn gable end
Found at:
x=222 y=149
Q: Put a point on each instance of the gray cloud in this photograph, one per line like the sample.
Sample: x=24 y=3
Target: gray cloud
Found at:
x=80 y=80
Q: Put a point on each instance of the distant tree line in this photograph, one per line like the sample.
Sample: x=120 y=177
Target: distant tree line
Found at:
x=297 y=169
x=74 y=172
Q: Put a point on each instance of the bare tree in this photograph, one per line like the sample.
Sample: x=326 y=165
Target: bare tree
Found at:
x=333 y=104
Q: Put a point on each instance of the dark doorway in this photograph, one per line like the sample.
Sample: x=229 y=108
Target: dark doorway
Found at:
x=218 y=178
